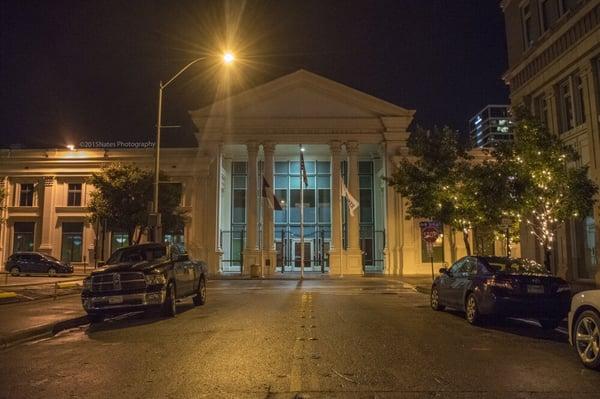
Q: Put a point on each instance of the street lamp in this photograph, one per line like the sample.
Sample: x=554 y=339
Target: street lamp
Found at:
x=228 y=58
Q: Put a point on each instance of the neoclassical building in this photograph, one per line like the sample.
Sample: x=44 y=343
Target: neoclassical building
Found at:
x=347 y=136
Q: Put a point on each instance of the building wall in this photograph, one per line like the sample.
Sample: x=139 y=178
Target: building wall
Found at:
x=567 y=49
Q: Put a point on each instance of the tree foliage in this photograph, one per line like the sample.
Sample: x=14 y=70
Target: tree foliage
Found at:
x=548 y=182
x=3 y=197
x=442 y=182
x=123 y=192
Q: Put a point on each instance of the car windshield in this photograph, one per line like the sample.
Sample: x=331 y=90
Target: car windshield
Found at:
x=138 y=254
x=516 y=266
x=51 y=258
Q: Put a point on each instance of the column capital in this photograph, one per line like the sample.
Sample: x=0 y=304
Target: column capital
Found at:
x=268 y=147
x=48 y=181
x=352 y=147
x=335 y=147
x=252 y=147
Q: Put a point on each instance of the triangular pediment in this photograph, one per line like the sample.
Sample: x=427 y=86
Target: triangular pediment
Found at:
x=301 y=94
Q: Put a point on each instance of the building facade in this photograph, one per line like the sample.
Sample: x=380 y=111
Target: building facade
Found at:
x=554 y=70
x=490 y=126
x=347 y=135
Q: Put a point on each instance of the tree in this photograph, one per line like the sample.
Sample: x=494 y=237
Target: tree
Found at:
x=551 y=188
x=121 y=199
x=441 y=182
x=2 y=199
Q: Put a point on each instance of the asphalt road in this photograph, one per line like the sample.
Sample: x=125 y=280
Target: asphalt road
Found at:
x=285 y=339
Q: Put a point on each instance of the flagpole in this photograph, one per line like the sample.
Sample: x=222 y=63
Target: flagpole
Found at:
x=301 y=226
x=262 y=227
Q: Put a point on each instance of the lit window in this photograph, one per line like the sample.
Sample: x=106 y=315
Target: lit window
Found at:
x=72 y=241
x=580 y=100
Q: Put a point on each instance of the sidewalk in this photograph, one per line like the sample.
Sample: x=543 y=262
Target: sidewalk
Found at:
x=420 y=283
x=37 y=319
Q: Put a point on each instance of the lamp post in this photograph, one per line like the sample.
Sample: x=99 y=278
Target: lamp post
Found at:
x=228 y=58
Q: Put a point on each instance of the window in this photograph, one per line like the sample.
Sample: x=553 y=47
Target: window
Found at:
x=586 y=250
x=540 y=106
x=239 y=192
x=23 y=236
x=118 y=240
x=545 y=14
x=437 y=250
x=565 y=106
x=72 y=241
x=26 y=194
x=74 y=194
x=579 y=100
x=526 y=25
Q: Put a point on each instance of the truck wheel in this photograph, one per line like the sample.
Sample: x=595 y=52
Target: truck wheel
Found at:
x=587 y=339
x=169 y=308
x=200 y=297
x=95 y=318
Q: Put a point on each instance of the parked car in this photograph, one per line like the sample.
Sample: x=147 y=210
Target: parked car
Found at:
x=36 y=262
x=504 y=287
x=584 y=327
x=144 y=277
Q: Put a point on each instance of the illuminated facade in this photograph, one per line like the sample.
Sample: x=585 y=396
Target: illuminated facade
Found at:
x=257 y=134
x=554 y=70
x=490 y=126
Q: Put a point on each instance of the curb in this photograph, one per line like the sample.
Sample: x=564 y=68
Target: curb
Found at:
x=419 y=288
x=47 y=330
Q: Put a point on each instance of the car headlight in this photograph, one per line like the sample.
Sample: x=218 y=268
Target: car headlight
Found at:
x=155 y=279
x=87 y=284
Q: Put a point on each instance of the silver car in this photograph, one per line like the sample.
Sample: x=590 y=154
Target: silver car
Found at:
x=584 y=327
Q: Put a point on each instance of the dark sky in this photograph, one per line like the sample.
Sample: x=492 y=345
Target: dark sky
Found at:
x=89 y=70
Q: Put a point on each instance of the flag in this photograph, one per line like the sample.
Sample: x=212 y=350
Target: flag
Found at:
x=269 y=196
x=303 y=169
x=352 y=202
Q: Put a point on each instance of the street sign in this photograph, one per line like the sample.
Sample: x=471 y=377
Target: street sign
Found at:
x=430 y=230
x=430 y=234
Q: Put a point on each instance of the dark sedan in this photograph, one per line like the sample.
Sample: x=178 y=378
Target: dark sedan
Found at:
x=35 y=262
x=504 y=287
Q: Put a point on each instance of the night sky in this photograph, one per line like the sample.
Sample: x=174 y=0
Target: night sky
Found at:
x=89 y=70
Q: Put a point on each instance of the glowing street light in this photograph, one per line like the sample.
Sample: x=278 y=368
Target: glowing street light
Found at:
x=71 y=147
x=228 y=58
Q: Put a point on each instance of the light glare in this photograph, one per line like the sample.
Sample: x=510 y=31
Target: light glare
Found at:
x=228 y=57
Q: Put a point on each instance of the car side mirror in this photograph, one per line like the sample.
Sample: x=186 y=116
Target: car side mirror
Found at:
x=443 y=270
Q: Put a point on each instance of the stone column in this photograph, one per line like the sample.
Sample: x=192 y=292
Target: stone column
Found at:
x=592 y=112
x=212 y=209
x=251 y=253
x=354 y=256
x=335 y=249
x=268 y=242
x=48 y=223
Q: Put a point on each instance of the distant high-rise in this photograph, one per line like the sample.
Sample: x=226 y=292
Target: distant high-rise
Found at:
x=491 y=125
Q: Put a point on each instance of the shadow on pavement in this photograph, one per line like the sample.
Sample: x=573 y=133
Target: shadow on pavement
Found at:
x=135 y=319
x=522 y=327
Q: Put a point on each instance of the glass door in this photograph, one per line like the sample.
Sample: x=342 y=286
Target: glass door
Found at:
x=297 y=256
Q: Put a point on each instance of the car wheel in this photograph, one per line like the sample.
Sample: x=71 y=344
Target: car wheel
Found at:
x=95 y=318
x=549 y=324
x=587 y=338
x=435 y=299
x=169 y=308
x=51 y=272
x=472 y=310
x=200 y=297
x=15 y=271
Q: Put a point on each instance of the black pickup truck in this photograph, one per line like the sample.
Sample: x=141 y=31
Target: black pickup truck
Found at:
x=144 y=277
